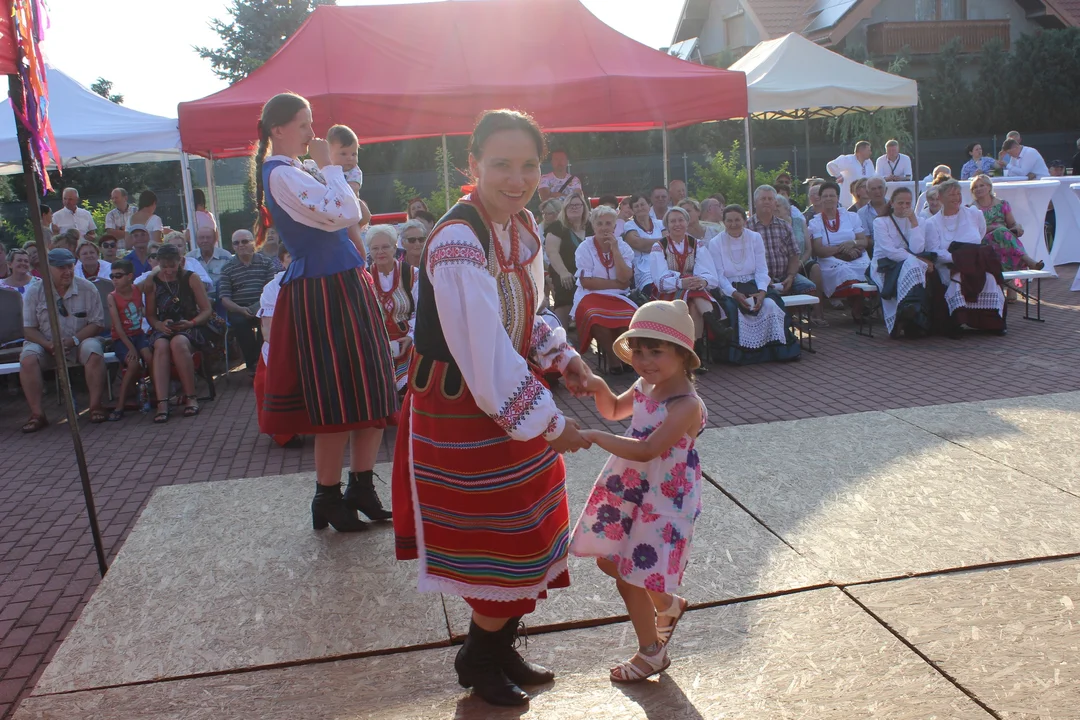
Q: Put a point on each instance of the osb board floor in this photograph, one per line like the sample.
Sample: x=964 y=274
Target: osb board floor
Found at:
x=806 y=655
x=1036 y=435
x=868 y=496
x=1009 y=636
x=230 y=574
x=732 y=556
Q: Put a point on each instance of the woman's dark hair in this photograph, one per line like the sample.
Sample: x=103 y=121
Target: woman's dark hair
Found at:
x=146 y=199
x=125 y=266
x=609 y=200
x=168 y=251
x=635 y=197
x=971 y=147
x=278 y=110
x=493 y=121
x=902 y=190
x=734 y=209
x=342 y=135
x=45 y=210
x=199 y=197
x=828 y=185
x=653 y=343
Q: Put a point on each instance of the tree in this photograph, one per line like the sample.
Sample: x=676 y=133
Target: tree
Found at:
x=253 y=32
x=876 y=127
x=104 y=88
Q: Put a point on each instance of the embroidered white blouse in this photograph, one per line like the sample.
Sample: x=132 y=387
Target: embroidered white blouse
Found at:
x=667 y=280
x=642 y=262
x=329 y=207
x=589 y=265
x=850 y=226
x=739 y=259
x=967 y=226
x=386 y=282
x=267 y=303
x=471 y=316
x=889 y=243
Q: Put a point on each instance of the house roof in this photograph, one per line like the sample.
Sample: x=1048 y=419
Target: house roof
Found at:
x=1068 y=11
x=826 y=21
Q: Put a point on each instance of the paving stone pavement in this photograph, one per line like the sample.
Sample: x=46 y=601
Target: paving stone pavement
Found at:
x=47 y=565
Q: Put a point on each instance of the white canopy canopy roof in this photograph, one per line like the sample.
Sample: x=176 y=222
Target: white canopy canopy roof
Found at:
x=91 y=130
x=792 y=77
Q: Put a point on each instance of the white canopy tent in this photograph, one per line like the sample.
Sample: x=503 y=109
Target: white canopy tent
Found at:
x=91 y=130
x=794 y=78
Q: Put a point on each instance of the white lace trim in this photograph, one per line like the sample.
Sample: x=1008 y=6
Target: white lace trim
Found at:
x=912 y=274
x=990 y=297
x=756 y=331
x=833 y=276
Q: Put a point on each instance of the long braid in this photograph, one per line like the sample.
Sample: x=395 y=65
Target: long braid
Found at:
x=260 y=193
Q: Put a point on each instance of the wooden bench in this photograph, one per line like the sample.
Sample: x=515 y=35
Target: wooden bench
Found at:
x=12 y=368
x=1027 y=276
x=800 y=318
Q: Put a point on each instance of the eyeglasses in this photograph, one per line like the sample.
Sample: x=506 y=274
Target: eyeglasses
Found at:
x=242 y=241
x=62 y=309
x=152 y=256
x=108 y=244
x=414 y=239
x=117 y=276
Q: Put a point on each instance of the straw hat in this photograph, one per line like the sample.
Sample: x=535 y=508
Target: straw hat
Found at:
x=660 y=320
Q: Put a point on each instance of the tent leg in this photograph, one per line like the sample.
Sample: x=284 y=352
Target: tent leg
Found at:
x=664 y=131
x=446 y=173
x=915 y=160
x=189 y=198
x=749 y=168
x=809 y=172
x=211 y=192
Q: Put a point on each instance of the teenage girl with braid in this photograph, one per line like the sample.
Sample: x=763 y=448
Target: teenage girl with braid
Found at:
x=330 y=372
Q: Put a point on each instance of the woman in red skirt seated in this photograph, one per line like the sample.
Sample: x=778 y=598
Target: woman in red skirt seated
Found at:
x=479 y=493
x=682 y=268
x=396 y=288
x=605 y=272
x=330 y=373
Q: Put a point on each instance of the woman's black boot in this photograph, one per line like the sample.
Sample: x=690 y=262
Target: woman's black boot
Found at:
x=327 y=508
x=519 y=670
x=721 y=331
x=479 y=666
x=360 y=495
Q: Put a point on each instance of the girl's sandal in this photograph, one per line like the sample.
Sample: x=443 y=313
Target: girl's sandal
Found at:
x=190 y=410
x=116 y=415
x=634 y=670
x=675 y=611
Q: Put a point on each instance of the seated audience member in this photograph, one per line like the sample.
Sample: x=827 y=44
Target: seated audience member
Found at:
x=90 y=265
x=139 y=243
x=939 y=171
x=71 y=216
x=904 y=270
x=267 y=303
x=81 y=322
x=696 y=228
x=561 y=241
x=973 y=296
x=640 y=234
x=20 y=278
x=117 y=219
x=859 y=194
x=67 y=239
x=719 y=197
x=271 y=245
x=5 y=268
x=783 y=184
x=808 y=266
x=813 y=197
x=933 y=204
x=659 y=201
x=612 y=202
x=676 y=192
x=1057 y=168
x=759 y=323
x=839 y=245
x=782 y=257
x=203 y=218
x=1023 y=161
x=242 y=281
x=682 y=268
x=130 y=343
x=605 y=274
x=32 y=253
x=413 y=235
x=979 y=164
x=180 y=242
x=560 y=183
x=893 y=165
x=549 y=214
x=877 y=206
x=1002 y=231
x=210 y=255
x=396 y=285
x=110 y=247
x=415 y=206
x=179 y=311
x=145 y=281
x=145 y=216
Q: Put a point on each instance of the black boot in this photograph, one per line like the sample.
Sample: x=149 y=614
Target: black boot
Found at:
x=699 y=350
x=360 y=495
x=478 y=666
x=519 y=670
x=721 y=330
x=327 y=508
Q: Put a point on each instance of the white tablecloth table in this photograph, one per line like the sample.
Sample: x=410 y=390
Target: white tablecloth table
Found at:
x=1075 y=187
x=1029 y=200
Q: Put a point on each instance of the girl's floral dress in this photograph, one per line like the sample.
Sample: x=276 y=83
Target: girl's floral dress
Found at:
x=641 y=515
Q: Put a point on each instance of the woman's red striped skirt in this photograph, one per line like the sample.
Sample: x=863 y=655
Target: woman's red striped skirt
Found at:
x=402 y=360
x=599 y=310
x=330 y=368
x=486 y=515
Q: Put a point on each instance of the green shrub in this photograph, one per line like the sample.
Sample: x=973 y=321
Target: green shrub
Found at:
x=725 y=173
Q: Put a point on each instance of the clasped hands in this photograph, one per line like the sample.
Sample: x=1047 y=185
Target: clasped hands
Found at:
x=577 y=376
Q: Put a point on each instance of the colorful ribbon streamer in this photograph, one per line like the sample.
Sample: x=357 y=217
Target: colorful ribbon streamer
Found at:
x=28 y=18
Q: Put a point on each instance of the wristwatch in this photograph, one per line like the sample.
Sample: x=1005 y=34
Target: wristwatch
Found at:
x=75 y=339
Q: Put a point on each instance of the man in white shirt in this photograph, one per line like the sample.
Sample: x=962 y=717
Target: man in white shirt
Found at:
x=120 y=216
x=676 y=192
x=1024 y=162
x=73 y=216
x=661 y=203
x=893 y=165
x=846 y=169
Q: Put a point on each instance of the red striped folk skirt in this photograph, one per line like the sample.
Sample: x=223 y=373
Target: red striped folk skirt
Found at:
x=486 y=515
x=402 y=360
x=260 y=390
x=330 y=368
x=599 y=310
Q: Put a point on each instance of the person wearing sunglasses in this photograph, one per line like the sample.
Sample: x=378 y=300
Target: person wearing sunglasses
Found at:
x=413 y=235
x=130 y=343
x=82 y=319
x=110 y=247
x=242 y=281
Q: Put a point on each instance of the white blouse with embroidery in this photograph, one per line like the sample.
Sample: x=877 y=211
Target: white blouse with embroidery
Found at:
x=471 y=316
x=739 y=259
x=386 y=282
x=331 y=206
x=667 y=280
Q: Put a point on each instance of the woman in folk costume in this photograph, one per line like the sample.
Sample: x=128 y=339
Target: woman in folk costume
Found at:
x=330 y=373
x=478 y=480
x=682 y=268
x=397 y=291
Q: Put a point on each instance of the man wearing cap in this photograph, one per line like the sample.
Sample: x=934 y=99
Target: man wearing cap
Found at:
x=82 y=319
x=138 y=241
x=73 y=216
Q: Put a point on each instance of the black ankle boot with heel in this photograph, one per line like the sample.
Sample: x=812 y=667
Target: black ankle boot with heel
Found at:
x=328 y=508
x=479 y=666
x=519 y=670
x=360 y=495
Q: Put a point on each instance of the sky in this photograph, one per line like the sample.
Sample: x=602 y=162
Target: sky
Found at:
x=145 y=48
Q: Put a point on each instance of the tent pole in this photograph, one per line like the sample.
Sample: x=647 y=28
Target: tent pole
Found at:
x=189 y=199
x=749 y=167
x=446 y=173
x=211 y=192
x=915 y=160
x=15 y=91
x=809 y=172
x=664 y=131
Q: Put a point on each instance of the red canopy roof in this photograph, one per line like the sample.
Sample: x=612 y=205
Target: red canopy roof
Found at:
x=393 y=72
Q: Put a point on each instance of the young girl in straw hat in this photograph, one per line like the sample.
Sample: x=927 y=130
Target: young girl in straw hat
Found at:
x=640 y=517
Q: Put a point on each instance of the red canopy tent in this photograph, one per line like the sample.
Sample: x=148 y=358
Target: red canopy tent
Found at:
x=394 y=72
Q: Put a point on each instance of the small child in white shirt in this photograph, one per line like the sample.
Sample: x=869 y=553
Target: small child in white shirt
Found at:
x=344 y=150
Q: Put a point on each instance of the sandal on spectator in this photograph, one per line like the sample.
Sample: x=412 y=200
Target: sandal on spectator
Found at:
x=819 y=321
x=190 y=410
x=674 y=612
x=116 y=415
x=98 y=416
x=162 y=417
x=641 y=666
x=35 y=423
